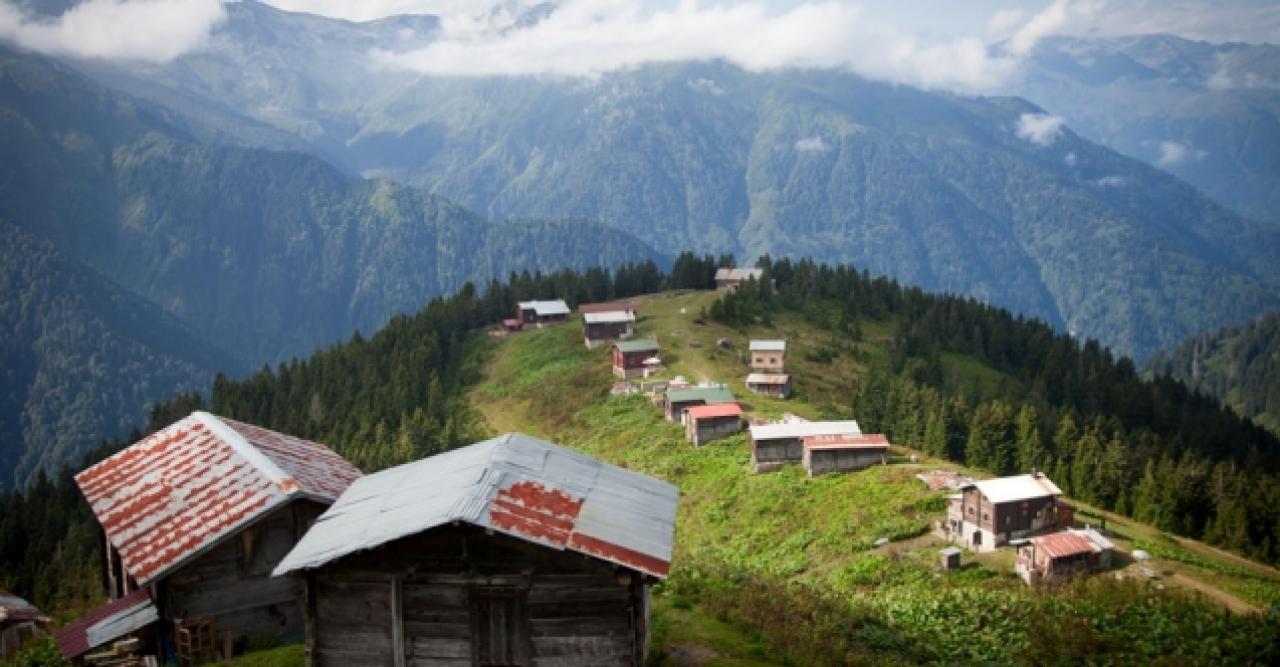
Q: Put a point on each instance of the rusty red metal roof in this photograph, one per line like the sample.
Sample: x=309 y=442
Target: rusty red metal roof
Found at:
x=14 y=609
x=513 y=484
x=843 y=441
x=714 y=410
x=608 y=307
x=106 y=623
x=1063 y=544
x=180 y=491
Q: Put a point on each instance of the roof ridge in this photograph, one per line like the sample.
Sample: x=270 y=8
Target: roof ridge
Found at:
x=250 y=453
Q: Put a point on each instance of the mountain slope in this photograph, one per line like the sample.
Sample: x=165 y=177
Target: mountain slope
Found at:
x=268 y=254
x=1239 y=365
x=1208 y=113
x=82 y=358
x=936 y=190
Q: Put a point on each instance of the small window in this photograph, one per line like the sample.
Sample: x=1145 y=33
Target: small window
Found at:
x=986 y=517
x=971 y=511
x=1006 y=519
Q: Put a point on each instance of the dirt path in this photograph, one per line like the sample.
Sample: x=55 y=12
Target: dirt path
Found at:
x=1232 y=602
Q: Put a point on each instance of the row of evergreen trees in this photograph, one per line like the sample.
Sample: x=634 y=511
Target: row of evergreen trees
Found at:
x=1144 y=447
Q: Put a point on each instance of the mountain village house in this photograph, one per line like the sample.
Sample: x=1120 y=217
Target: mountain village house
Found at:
x=987 y=514
x=603 y=322
x=775 y=445
x=512 y=551
x=195 y=517
x=844 y=453
x=777 y=385
x=704 y=423
x=19 y=622
x=1063 y=554
x=727 y=278
x=679 y=400
x=768 y=356
x=542 y=312
x=635 y=358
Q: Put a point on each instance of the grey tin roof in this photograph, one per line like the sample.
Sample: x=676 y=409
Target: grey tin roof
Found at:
x=611 y=513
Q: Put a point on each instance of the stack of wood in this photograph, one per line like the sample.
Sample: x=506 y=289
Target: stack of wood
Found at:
x=123 y=653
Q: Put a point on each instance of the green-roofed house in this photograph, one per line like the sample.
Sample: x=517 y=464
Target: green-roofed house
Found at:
x=635 y=358
x=679 y=400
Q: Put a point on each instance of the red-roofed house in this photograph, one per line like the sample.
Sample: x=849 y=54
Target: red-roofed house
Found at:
x=200 y=512
x=1063 y=554
x=844 y=452
x=704 y=423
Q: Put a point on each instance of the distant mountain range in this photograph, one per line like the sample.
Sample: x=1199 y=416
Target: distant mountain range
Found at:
x=937 y=190
x=263 y=255
x=1208 y=113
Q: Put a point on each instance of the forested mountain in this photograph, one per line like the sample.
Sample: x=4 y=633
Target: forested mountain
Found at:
x=952 y=194
x=81 y=358
x=1209 y=113
x=1238 y=365
x=267 y=254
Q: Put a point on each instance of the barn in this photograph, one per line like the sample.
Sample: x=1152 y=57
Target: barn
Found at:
x=601 y=327
x=1063 y=554
x=777 y=385
x=704 y=423
x=542 y=312
x=679 y=400
x=630 y=357
x=200 y=512
x=775 y=445
x=728 y=278
x=512 y=551
x=844 y=453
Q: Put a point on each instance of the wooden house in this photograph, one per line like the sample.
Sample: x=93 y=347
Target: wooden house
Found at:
x=731 y=278
x=844 y=453
x=1063 y=554
x=775 y=445
x=987 y=514
x=20 y=621
x=604 y=326
x=539 y=313
x=679 y=400
x=777 y=385
x=704 y=423
x=512 y=551
x=629 y=357
x=200 y=512
x=768 y=356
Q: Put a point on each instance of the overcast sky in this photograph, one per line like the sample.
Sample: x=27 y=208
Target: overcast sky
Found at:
x=929 y=43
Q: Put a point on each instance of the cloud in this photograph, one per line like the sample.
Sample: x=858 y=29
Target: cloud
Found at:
x=587 y=38
x=813 y=144
x=1070 y=159
x=368 y=10
x=1174 y=153
x=1057 y=17
x=1112 y=181
x=145 y=30
x=1005 y=19
x=1039 y=128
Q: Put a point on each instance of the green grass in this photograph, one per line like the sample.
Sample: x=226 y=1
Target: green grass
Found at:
x=777 y=567
x=293 y=655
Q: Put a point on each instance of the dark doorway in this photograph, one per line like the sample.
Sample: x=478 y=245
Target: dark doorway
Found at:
x=501 y=629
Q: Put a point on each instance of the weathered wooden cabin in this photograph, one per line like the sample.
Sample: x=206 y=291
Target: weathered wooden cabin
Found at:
x=768 y=356
x=777 y=385
x=731 y=278
x=679 y=400
x=988 y=513
x=704 y=423
x=539 y=313
x=201 y=511
x=629 y=357
x=776 y=445
x=20 y=621
x=132 y=618
x=1063 y=554
x=599 y=328
x=844 y=453
x=512 y=551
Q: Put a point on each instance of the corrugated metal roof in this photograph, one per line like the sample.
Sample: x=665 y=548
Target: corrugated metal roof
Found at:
x=708 y=395
x=178 y=492
x=515 y=484
x=639 y=345
x=738 y=274
x=104 y=624
x=768 y=378
x=803 y=429
x=611 y=306
x=544 y=308
x=15 y=609
x=1063 y=544
x=768 y=346
x=867 y=441
x=1017 y=487
x=713 y=411
x=608 y=317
